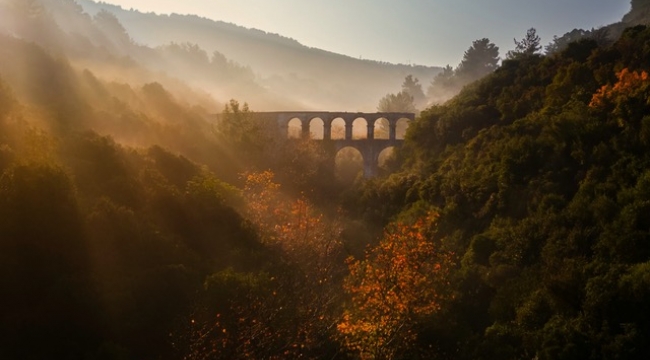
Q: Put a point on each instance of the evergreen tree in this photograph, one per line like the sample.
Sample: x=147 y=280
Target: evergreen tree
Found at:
x=412 y=86
x=479 y=60
x=443 y=86
x=529 y=45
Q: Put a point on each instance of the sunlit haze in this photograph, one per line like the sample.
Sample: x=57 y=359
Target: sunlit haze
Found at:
x=344 y=179
x=428 y=32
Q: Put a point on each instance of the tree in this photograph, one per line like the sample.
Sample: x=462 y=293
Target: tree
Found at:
x=44 y=251
x=247 y=141
x=286 y=312
x=560 y=43
x=443 y=86
x=413 y=87
x=398 y=284
x=113 y=29
x=620 y=99
x=400 y=102
x=304 y=236
x=527 y=46
x=639 y=13
x=479 y=60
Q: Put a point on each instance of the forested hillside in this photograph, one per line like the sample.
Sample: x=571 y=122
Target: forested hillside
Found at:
x=134 y=225
x=539 y=176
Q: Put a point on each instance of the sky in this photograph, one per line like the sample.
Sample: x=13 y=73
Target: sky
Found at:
x=424 y=32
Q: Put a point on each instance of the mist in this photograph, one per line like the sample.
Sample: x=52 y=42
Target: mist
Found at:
x=310 y=79
x=203 y=61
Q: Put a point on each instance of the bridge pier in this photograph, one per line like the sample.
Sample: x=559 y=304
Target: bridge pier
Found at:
x=327 y=131
x=371 y=130
x=370 y=163
x=348 y=131
x=392 y=131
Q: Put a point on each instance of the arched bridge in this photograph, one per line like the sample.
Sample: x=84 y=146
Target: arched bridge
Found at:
x=369 y=144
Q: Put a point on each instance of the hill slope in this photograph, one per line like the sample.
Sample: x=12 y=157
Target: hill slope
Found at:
x=284 y=66
x=539 y=173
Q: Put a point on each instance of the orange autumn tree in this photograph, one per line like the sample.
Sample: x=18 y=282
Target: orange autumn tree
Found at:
x=292 y=225
x=310 y=243
x=289 y=310
x=628 y=82
x=397 y=284
x=626 y=100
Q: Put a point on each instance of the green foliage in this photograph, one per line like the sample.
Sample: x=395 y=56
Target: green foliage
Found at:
x=44 y=262
x=559 y=44
x=248 y=141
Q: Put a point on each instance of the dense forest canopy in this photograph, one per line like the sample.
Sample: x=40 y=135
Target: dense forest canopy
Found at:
x=513 y=223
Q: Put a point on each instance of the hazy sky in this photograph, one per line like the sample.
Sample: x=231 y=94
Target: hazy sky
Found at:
x=429 y=32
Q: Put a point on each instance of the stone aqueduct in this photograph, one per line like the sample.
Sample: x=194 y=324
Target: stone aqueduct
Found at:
x=369 y=146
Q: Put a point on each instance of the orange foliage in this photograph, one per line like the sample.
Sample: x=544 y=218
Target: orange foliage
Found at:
x=302 y=234
x=628 y=82
x=400 y=281
x=288 y=314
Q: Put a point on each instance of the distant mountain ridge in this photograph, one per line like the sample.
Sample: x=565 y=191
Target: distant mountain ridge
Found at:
x=639 y=14
x=281 y=64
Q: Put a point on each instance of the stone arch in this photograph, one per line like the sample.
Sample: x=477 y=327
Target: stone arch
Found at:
x=294 y=128
x=381 y=129
x=338 y=126
x=359 y=128
x=316 y=128
x=348 y=163
x=401 y=126
x=384 y=155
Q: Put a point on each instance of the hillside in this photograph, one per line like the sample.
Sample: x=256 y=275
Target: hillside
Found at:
x=326 y=80
x=539 y=176
x=639 y=14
